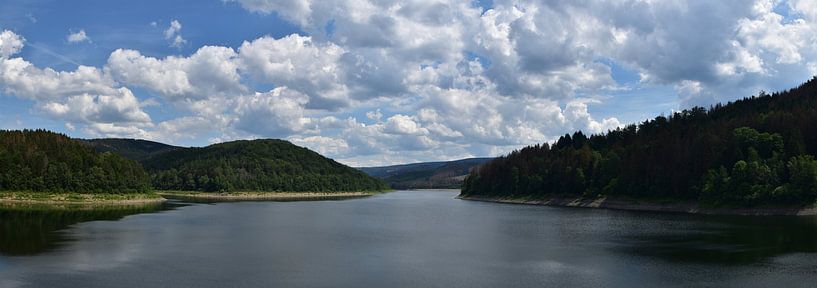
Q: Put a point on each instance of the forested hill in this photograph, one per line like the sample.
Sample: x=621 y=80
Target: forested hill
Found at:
x=254 y=165
x=426 y=175
x=38 y=160
x=135 y=149
x=758 y=150
x=42 y=161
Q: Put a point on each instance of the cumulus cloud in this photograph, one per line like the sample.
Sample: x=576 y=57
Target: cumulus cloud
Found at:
x=173 y=34
x=402 y=125
x=101 y=110
x=374 y=82
x=86 y=95
x=10 y=43
x=323 y=145
x=299 y=63
x=277 y=113
x=209 y=72
x=21 y=78
x=120 y=107
x=77 y=37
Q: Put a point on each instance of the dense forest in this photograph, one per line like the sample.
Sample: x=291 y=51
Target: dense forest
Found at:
x=38 y=160
x=135 y=149
x=43 y=161
x=256 y=165
x=758 y=150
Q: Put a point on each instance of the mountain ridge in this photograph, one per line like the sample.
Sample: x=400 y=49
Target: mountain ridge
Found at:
x=425 y=175
x=240 y=165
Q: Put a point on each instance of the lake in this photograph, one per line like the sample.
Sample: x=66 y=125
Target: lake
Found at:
x=400 y=239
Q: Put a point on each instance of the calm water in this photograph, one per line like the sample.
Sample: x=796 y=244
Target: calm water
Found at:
x=400 y=239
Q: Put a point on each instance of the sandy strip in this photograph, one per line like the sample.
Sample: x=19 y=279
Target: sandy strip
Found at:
x=264 y=196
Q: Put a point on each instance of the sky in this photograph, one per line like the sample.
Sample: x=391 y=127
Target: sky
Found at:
x=370 y=82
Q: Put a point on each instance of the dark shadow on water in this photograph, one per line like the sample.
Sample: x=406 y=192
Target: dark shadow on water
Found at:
x=734 y=240
x=33 y=229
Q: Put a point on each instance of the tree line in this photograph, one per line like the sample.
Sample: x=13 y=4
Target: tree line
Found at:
x=43 y=161
x=757 y=150
x=256 y=165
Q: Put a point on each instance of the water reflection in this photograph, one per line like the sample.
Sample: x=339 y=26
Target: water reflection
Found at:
x=723 y=239
x=416 y=239
x=32 y=229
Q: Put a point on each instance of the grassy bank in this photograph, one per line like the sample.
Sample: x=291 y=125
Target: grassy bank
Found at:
x=263 y=196
x=651 y=205
x=27 y=197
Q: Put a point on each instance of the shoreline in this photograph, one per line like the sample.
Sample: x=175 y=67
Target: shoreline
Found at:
x=262 y=196
x=79 y=199
x=646 y=206
x=432 y=189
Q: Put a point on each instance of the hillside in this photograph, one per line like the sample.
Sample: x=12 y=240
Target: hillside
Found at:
x=425 y=175
x=42 y=161
x=256 y=165
x=755 y=151
x=134 y=149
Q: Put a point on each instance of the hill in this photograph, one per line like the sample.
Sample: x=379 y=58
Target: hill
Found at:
x=134 y=149
x=755 y=151
x=43 y=161
x=254 y=165
x=426 y=175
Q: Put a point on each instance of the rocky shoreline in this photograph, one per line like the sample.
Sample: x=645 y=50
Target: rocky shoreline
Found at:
x=633 y=205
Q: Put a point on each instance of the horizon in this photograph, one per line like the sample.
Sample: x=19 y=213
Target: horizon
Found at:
x=418 y=82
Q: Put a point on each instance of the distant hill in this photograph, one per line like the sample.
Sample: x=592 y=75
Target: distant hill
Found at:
x=254 y=165
x=426 y=175
x=134 y=149
x=756 y=151
x=246 y=165
x=43 y=161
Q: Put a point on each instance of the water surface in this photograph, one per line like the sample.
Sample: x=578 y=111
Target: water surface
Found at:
x=405 y=239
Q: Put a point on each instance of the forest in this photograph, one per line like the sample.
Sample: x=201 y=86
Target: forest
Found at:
x=43 y=161
x=255 y=165
x=755 y=151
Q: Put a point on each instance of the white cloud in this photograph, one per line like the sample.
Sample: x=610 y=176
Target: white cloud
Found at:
x=806 y=8
x=401 y=124
x=10 y=43
x=297 y=62
x=186 y=128
x=210 y=72
x=398 y=81
x=277 y=113
x=77 y=37
x=97 y=130
x=120 y=107
x=85 y=96
x=173 y=33
x=72 y=97
x=374 y=115
x=295 y=10
x=694 y=93
x=21 y=78
x=323 y=145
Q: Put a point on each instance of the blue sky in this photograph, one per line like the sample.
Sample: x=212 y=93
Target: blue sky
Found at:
x=387 y=82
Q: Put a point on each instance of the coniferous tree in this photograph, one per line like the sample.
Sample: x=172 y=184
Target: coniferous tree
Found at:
x=757 y=150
